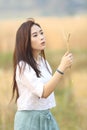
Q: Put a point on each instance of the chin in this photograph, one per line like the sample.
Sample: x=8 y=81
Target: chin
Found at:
x=43 y=47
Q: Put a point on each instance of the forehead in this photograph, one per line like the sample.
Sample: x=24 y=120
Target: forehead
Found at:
x=35 y=28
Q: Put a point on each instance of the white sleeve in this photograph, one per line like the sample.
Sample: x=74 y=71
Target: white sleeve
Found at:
x=29 y=79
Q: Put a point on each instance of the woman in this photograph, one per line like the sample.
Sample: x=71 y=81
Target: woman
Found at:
x=33 y=81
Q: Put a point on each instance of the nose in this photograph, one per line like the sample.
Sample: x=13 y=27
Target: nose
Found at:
x=41 y=37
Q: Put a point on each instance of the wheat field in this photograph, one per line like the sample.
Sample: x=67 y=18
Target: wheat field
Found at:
x=54 y=29
x=71 y=114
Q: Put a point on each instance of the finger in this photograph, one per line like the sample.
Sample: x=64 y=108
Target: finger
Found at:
x=66 y=53
x=70 y=55
x=70 y=59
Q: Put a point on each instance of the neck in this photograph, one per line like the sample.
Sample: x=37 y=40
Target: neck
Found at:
x=36 y=56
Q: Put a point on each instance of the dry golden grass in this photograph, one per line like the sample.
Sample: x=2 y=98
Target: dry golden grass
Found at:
x=54 y=29
x=5 y=86
x=79 y=93
x=79 y=90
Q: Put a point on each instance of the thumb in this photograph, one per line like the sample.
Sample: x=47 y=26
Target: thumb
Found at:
x=66 y=53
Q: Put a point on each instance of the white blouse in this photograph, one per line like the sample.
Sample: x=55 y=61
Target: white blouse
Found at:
x=30 y=88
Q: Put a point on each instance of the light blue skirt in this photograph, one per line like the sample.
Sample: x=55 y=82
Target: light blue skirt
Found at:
x=35 y=120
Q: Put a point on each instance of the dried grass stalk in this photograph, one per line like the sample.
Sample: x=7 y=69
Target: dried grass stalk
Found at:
x=67 y=38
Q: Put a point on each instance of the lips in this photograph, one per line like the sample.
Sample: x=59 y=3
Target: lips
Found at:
x=43 y=43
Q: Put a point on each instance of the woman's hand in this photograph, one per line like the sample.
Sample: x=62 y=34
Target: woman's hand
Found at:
x=66 y=61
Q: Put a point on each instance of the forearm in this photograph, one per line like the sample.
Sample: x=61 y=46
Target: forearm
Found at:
x=49 y=87
x=52 y=84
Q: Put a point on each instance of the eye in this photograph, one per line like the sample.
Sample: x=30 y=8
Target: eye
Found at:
x=35 y=35
x=41 y=33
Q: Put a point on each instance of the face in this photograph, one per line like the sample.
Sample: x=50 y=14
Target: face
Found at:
x=37 y=39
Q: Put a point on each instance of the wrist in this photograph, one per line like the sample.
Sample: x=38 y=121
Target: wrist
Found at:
x=60 y=72
x=61 y=68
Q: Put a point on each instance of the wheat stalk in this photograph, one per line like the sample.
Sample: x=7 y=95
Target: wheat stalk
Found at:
x=69 y=95
x=67 y=38
x=67 y=42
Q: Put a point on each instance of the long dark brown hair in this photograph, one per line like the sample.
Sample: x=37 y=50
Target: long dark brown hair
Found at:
x=23 y=52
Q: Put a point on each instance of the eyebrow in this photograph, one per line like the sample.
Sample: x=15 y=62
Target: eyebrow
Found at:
x=36 y=32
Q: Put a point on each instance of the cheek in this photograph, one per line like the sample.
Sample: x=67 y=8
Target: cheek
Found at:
x=34 y=43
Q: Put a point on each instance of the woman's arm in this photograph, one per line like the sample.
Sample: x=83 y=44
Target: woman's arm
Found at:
x=50 y=86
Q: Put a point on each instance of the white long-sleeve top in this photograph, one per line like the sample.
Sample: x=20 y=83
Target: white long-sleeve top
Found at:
x=30 y=88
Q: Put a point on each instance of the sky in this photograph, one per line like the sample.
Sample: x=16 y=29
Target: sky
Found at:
x=21 y=8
